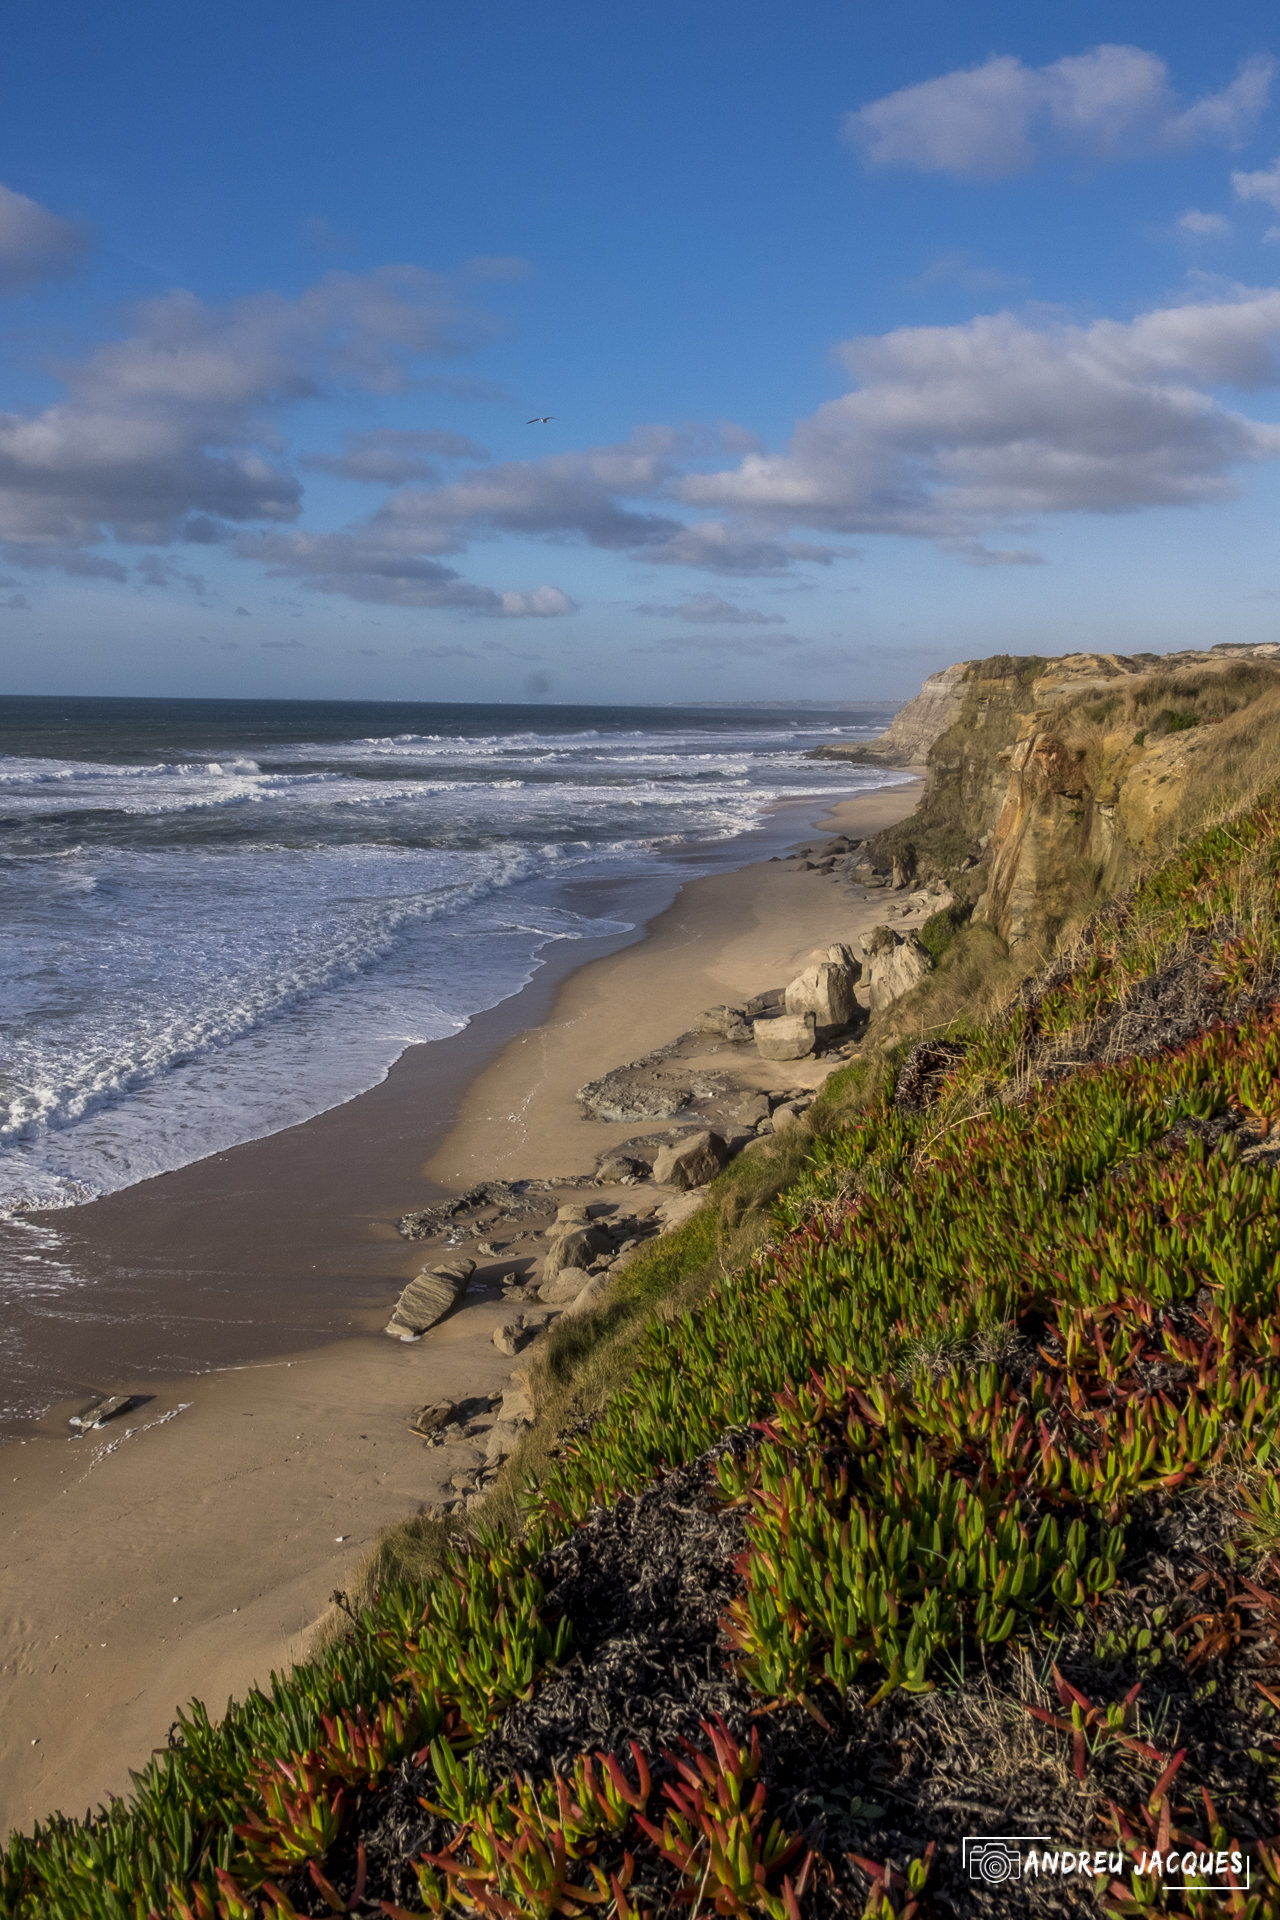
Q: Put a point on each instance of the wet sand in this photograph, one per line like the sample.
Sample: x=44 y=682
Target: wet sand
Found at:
x=196 y=1555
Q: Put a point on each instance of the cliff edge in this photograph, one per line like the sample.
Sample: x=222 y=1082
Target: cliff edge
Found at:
x=1050 y=782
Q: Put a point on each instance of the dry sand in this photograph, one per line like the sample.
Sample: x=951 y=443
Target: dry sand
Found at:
x=192 y=1557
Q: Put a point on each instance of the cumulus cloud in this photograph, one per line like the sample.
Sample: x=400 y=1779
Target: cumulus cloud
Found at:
x=1263 y=185
x=1204 y=226
x=995 y=119
x=393 y=556
x=53 y=558
x=387 y=457
x=722 y=546
x=952 y=430
x=168 y=432
x=544 y=603
x=712 y=610
x=35 y=244
x=371 y=564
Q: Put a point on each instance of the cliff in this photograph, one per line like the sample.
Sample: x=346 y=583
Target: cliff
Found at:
x=1050 y=782
x=914 y=728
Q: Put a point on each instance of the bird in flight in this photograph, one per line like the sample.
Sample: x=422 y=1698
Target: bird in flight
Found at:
x=541 y=419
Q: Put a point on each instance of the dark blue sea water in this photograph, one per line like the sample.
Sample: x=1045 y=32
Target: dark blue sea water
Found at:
x=218 y=918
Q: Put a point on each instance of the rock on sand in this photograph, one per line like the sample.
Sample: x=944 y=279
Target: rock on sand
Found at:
x=825 y=988
x=789 y=1036
x=691 y=1162
x=428 y=1298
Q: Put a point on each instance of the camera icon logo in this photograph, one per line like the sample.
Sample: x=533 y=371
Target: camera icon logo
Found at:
x=996 y=1858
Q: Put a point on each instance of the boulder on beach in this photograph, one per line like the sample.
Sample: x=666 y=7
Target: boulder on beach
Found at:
x=731 y=1023
x=561 y=1288
x=691 y=1162
x=509 y=1338
x=787 y=1036
x=620 y=1169
x=825 y=988
x=502 y=1440
x=772 y=1000
x=428 y=1297
x=429 y=1419
x=896 y=962
x=751 y=1110
x=578 y=1245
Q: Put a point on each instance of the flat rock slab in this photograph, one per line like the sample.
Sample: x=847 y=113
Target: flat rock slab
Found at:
x=104 y=1411
x=428 y=1297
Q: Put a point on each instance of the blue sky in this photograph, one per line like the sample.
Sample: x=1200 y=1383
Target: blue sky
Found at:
x=876 y=337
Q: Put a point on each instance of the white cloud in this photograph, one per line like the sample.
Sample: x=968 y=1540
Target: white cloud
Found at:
x=721 y=546
x=544 y=603
x=995 y=119
x=1263 y=185
x=35 y=244
x=361 y=564
x=710 y=609
x=953 y=430
x=1204 y=226
x=169 y=431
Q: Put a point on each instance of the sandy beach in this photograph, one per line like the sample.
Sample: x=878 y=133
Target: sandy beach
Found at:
x=196 y=1554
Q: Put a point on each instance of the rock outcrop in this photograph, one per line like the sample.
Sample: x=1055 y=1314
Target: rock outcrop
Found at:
x=896 y=962
x=907 y=739
x=630 y=1093
x=826 y=987
x=1055 y=779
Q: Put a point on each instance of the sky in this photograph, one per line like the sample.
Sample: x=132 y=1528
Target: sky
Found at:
x=872 y=338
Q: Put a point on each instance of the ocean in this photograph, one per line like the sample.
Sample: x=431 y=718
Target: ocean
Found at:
x=219 y=918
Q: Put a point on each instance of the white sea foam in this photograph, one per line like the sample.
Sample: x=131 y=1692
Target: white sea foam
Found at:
x=197 y=950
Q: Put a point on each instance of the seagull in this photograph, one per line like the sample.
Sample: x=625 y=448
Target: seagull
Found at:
x=541 y=419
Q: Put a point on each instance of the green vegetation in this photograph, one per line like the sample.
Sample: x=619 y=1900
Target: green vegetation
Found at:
x=978 y=1357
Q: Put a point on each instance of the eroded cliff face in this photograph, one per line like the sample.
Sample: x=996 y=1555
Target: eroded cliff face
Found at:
x=914 y=728
x=1051 y=779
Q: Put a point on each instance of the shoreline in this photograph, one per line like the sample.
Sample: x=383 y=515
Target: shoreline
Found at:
x=196 y=1555
x=290 y=1239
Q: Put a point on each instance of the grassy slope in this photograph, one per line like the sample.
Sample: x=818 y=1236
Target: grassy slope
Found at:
x=1012 y=1358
